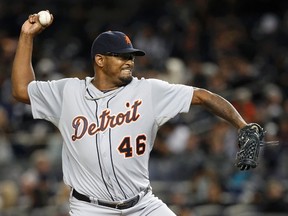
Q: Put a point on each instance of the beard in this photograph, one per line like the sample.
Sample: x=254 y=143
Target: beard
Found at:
x=125 y=80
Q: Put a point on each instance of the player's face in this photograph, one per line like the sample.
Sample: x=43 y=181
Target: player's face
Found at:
x=119 y=68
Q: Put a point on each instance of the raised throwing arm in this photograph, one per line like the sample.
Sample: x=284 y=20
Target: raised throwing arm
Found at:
x=22 y=69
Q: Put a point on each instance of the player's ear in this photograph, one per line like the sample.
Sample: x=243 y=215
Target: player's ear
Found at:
x=99 y=60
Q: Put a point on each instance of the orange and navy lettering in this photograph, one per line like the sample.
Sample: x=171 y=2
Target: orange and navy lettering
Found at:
x=81 y=125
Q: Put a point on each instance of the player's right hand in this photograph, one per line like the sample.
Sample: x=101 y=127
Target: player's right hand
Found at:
x=32 y=25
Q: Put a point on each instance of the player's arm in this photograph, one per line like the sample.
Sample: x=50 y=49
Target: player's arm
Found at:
x=219 y=106
x=22 y=70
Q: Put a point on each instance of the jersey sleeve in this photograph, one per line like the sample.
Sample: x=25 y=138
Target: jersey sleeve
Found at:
x=169 y=99
x=46 y=99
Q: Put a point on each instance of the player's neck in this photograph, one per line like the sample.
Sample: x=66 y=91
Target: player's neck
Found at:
x=107 y=90
x=102 y=86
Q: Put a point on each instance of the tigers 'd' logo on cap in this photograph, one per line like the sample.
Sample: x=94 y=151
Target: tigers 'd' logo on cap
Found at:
x=127 y=39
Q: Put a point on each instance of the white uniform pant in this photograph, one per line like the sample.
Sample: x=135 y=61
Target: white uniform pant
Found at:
x=149 y=205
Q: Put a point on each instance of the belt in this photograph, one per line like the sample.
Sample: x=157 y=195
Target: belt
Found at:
x=117 y=205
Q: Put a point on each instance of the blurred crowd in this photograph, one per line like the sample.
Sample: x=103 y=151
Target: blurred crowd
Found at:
x=236 y=48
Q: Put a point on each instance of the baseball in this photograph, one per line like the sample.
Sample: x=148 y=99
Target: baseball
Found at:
x=44 y=17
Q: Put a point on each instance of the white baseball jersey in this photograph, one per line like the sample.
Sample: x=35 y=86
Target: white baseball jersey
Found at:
x=107 y=136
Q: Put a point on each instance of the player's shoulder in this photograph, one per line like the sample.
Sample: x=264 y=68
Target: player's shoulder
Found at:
x=149 y=81
x=68 y=84
x=157 y=85
x=74 y=81
x=71 y=82
x=54 y=82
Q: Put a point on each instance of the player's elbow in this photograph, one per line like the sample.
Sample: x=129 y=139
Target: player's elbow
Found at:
x=21 y=95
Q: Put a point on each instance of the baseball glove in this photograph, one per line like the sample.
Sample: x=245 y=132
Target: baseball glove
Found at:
x=250 y=139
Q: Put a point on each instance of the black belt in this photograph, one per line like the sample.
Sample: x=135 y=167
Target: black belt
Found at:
x=117 y=205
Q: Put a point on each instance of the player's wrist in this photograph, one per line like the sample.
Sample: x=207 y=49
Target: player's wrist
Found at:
x=241 y=126
x=26 y=38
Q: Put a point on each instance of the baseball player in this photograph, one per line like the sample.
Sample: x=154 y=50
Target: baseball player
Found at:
x=108 y=122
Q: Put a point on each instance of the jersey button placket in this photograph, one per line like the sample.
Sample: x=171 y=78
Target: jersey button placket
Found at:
x=103 y=143
x=105 y=151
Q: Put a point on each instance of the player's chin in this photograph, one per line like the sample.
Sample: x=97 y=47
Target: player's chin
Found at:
x=125 y=80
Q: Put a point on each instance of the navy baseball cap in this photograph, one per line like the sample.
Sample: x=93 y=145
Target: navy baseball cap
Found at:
x=113 y=42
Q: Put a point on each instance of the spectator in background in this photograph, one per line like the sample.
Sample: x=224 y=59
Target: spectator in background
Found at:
x=41 y=187
x=274 y=197
x=149 y=40
x=6 y=152
x=8 y=195
x=244 y=103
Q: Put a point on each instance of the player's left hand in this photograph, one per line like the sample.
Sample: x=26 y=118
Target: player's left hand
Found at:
x=250 y=139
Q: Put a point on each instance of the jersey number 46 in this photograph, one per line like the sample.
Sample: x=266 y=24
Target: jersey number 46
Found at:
x=126 y=146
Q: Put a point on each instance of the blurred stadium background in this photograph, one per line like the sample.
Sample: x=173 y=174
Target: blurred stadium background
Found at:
x=236 y=48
